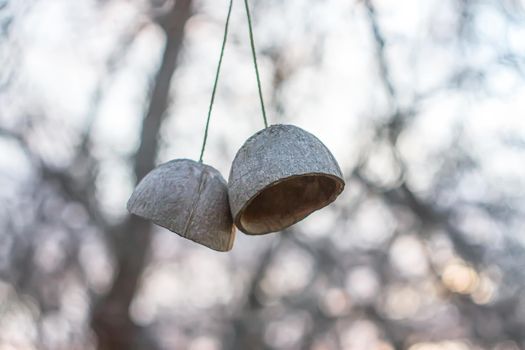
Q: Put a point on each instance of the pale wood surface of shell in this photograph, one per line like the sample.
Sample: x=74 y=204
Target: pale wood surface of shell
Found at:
x=188 y=198
x=278 y=177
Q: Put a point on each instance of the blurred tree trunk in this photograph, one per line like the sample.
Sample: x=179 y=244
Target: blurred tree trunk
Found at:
x=131 y=240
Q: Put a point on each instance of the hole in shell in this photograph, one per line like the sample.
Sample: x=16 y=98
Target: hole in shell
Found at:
x=283 y=203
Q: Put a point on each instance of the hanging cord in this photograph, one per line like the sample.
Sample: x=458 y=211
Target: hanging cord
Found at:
x=226 y=26
x=254 y=55
x=252 y=43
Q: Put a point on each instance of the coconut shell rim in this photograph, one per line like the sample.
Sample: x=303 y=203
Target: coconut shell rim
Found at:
x=340 y=186
x=129 y=205
x=230 y=242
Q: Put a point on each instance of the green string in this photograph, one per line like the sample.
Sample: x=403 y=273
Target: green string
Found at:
x=216 y=80
x=252 y=43
x=254 y=55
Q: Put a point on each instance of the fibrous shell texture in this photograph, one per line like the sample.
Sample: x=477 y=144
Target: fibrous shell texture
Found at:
x=278 y=177
x=188 y=198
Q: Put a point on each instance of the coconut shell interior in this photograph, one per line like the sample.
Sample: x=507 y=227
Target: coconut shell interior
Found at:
x=287 y=201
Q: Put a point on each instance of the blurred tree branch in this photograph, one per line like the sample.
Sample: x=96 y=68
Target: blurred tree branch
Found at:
x=248 y=320
x=131 y=240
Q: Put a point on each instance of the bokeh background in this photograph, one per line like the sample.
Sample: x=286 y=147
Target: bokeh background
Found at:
x=421 y=102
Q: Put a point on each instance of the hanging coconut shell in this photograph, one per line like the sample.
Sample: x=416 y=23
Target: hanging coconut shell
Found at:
x=280 y=176
x=188 y=198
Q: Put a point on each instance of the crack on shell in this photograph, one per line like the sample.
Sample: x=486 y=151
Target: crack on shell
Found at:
x=202 y=180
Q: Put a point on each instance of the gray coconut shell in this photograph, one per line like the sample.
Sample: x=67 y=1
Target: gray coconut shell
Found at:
x=278 y=177
x=188 y=198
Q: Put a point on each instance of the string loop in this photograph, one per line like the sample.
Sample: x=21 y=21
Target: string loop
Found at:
x=254 y=57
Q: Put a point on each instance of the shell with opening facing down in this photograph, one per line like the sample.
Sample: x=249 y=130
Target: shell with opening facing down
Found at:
x=188 y=198
x=281 y=175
